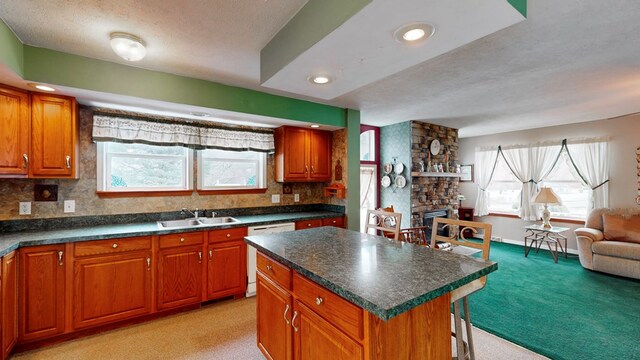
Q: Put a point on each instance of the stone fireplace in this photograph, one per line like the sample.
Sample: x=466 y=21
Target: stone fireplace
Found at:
x=427 y=220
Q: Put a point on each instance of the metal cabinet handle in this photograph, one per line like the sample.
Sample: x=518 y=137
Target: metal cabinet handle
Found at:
x=319 y=300
x=286 y=310
x=228 y=235
x=148 y=263
x=25 y=157
x=200 y=257
x=309 y=224
x=269 y=267
x=115 y=246
x=306 y=169
x=60 y=254
x=68 y=161
x=181 y=240
x=295 y=315
x=313 y=170
x=210 y=254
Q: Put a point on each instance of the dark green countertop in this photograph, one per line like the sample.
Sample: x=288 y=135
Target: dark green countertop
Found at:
x=383 y=276
x=14 y=240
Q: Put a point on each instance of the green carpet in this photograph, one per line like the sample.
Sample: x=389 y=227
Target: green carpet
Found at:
x=562 y=310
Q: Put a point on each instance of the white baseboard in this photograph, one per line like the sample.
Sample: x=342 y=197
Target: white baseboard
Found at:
x=521 y=243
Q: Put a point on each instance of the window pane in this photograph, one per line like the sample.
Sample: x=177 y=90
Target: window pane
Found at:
x=504 y=190
x=565 y=182
x=367 y=146
x=231 y=169
x=132 y=172
x=144 y=149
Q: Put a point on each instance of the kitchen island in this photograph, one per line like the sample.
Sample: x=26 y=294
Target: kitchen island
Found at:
x=330 y=293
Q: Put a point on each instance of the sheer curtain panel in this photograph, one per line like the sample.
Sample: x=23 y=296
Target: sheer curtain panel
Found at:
x=591 y=160
x=485 y=166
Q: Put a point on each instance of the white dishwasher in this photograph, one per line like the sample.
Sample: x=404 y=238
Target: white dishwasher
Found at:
x=251 y=251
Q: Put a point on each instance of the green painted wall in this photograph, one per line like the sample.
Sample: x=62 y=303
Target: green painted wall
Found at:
x=520 y=5
x=353 y=169
x=317 y=19
x=11 y=49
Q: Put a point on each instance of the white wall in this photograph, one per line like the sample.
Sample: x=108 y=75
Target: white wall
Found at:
x=624 y=135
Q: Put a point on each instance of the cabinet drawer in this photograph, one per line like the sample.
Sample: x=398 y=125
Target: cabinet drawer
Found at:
x=274 y=271
x=227 y=234
x=183 y=239
x=338 y=311
x=336 y=221
x=308 y=224
x=89 y=248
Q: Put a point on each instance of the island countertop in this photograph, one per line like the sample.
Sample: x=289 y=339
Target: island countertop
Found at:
x=383 y=276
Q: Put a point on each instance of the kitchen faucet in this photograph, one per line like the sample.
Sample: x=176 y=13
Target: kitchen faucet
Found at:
x=187 y=211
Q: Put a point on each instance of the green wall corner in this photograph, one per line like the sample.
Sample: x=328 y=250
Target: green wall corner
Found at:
x=520 y=5
x=11 y=49
x=353 y=169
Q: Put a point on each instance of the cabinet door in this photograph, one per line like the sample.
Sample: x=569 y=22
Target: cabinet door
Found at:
x=320 y=155
x=15 y=125
x=179 y=277
x=315 y=338
x=42 y=286
x=9 y=302
x=226 y=269
x=274 y=312
x=53 y=136
x=296 y=163
x=111 y=288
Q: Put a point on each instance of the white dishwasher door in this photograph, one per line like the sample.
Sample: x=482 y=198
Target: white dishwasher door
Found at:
x=251 y=251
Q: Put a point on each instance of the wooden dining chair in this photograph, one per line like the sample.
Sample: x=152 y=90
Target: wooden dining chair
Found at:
x=385 y=223
x=416 y=235
x=456 y=230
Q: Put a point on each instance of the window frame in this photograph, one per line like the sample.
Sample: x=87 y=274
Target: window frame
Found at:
x=103 y=167
x=261 y=170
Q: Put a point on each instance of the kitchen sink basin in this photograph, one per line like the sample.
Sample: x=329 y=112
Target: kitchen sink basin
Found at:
x=197 y=222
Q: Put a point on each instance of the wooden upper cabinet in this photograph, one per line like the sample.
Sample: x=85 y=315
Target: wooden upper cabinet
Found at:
x=42 y=292
x=53 y=136
x=302 y=155
x=15 y=125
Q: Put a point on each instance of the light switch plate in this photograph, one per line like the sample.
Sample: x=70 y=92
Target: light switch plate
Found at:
x=25 y=208
x=275 y=198
x=69 y=206
x=296 y=197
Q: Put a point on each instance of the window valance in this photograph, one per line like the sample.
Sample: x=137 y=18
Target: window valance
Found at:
x=107 y=127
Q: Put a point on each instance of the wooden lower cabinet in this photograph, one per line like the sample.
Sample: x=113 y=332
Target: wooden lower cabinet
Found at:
x=9 y=302
x=111 y=288
x=316 y=338
x=179 y=277
x=226 y=268
x=274 y=312
x=42 y=292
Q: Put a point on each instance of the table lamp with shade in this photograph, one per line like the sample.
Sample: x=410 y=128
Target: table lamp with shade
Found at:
x=461 y=198
x=546 y=196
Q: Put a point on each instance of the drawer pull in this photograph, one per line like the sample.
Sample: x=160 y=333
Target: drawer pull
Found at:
x=269 y=267
x=309 y=224
x=228 y=235
x=295 y=315
x=319 y=300
x=334 y=221
x=286 y=310
x=181 y=240
x=200 y=257
x=115 y=246
x=60 y=254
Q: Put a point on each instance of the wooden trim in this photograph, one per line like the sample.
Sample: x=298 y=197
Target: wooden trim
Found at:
x=231 y=191
x=125 y=194
x=560 y=220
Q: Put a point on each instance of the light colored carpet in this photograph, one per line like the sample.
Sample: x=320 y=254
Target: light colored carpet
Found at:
x=225 y=330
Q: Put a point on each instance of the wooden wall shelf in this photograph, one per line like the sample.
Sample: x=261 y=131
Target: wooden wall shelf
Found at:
x=435 y=174
x=338 y=192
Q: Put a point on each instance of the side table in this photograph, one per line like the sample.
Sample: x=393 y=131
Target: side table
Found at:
x=537 y=234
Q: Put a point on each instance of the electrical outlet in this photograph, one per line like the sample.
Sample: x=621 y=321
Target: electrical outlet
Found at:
x=25 y=208
x=296 y=197
x=69 y=206
x=275 y=198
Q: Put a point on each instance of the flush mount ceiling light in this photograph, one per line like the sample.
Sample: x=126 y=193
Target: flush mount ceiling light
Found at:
x=414 y=33
x=319 y=79
x=41 y=87
x=200 y=114
x=127 y=46
x=315 y=126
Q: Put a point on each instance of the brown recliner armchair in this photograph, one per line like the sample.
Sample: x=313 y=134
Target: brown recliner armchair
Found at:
x=610 y=242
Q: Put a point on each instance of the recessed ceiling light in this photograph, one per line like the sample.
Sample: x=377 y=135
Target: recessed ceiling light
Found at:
x=127 y=46
x=414 y=33
x=315 y=126
x=319 y=79
x=41 y=87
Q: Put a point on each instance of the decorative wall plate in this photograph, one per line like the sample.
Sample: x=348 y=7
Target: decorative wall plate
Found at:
x=386 y=181
x=387 y=168
x=435 y=147
x=399 y=168
x=401 y=181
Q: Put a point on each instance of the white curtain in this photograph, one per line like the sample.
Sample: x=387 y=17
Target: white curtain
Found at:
x=484 y=167
x=591 y=160
x=531 y=165
x=367 y=192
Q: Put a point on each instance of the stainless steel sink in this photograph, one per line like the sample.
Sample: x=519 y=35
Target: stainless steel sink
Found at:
x=197 y=222
x=218 y=220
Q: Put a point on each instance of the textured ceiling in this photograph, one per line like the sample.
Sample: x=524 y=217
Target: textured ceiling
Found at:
x=570 y=61
x=218 y=40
